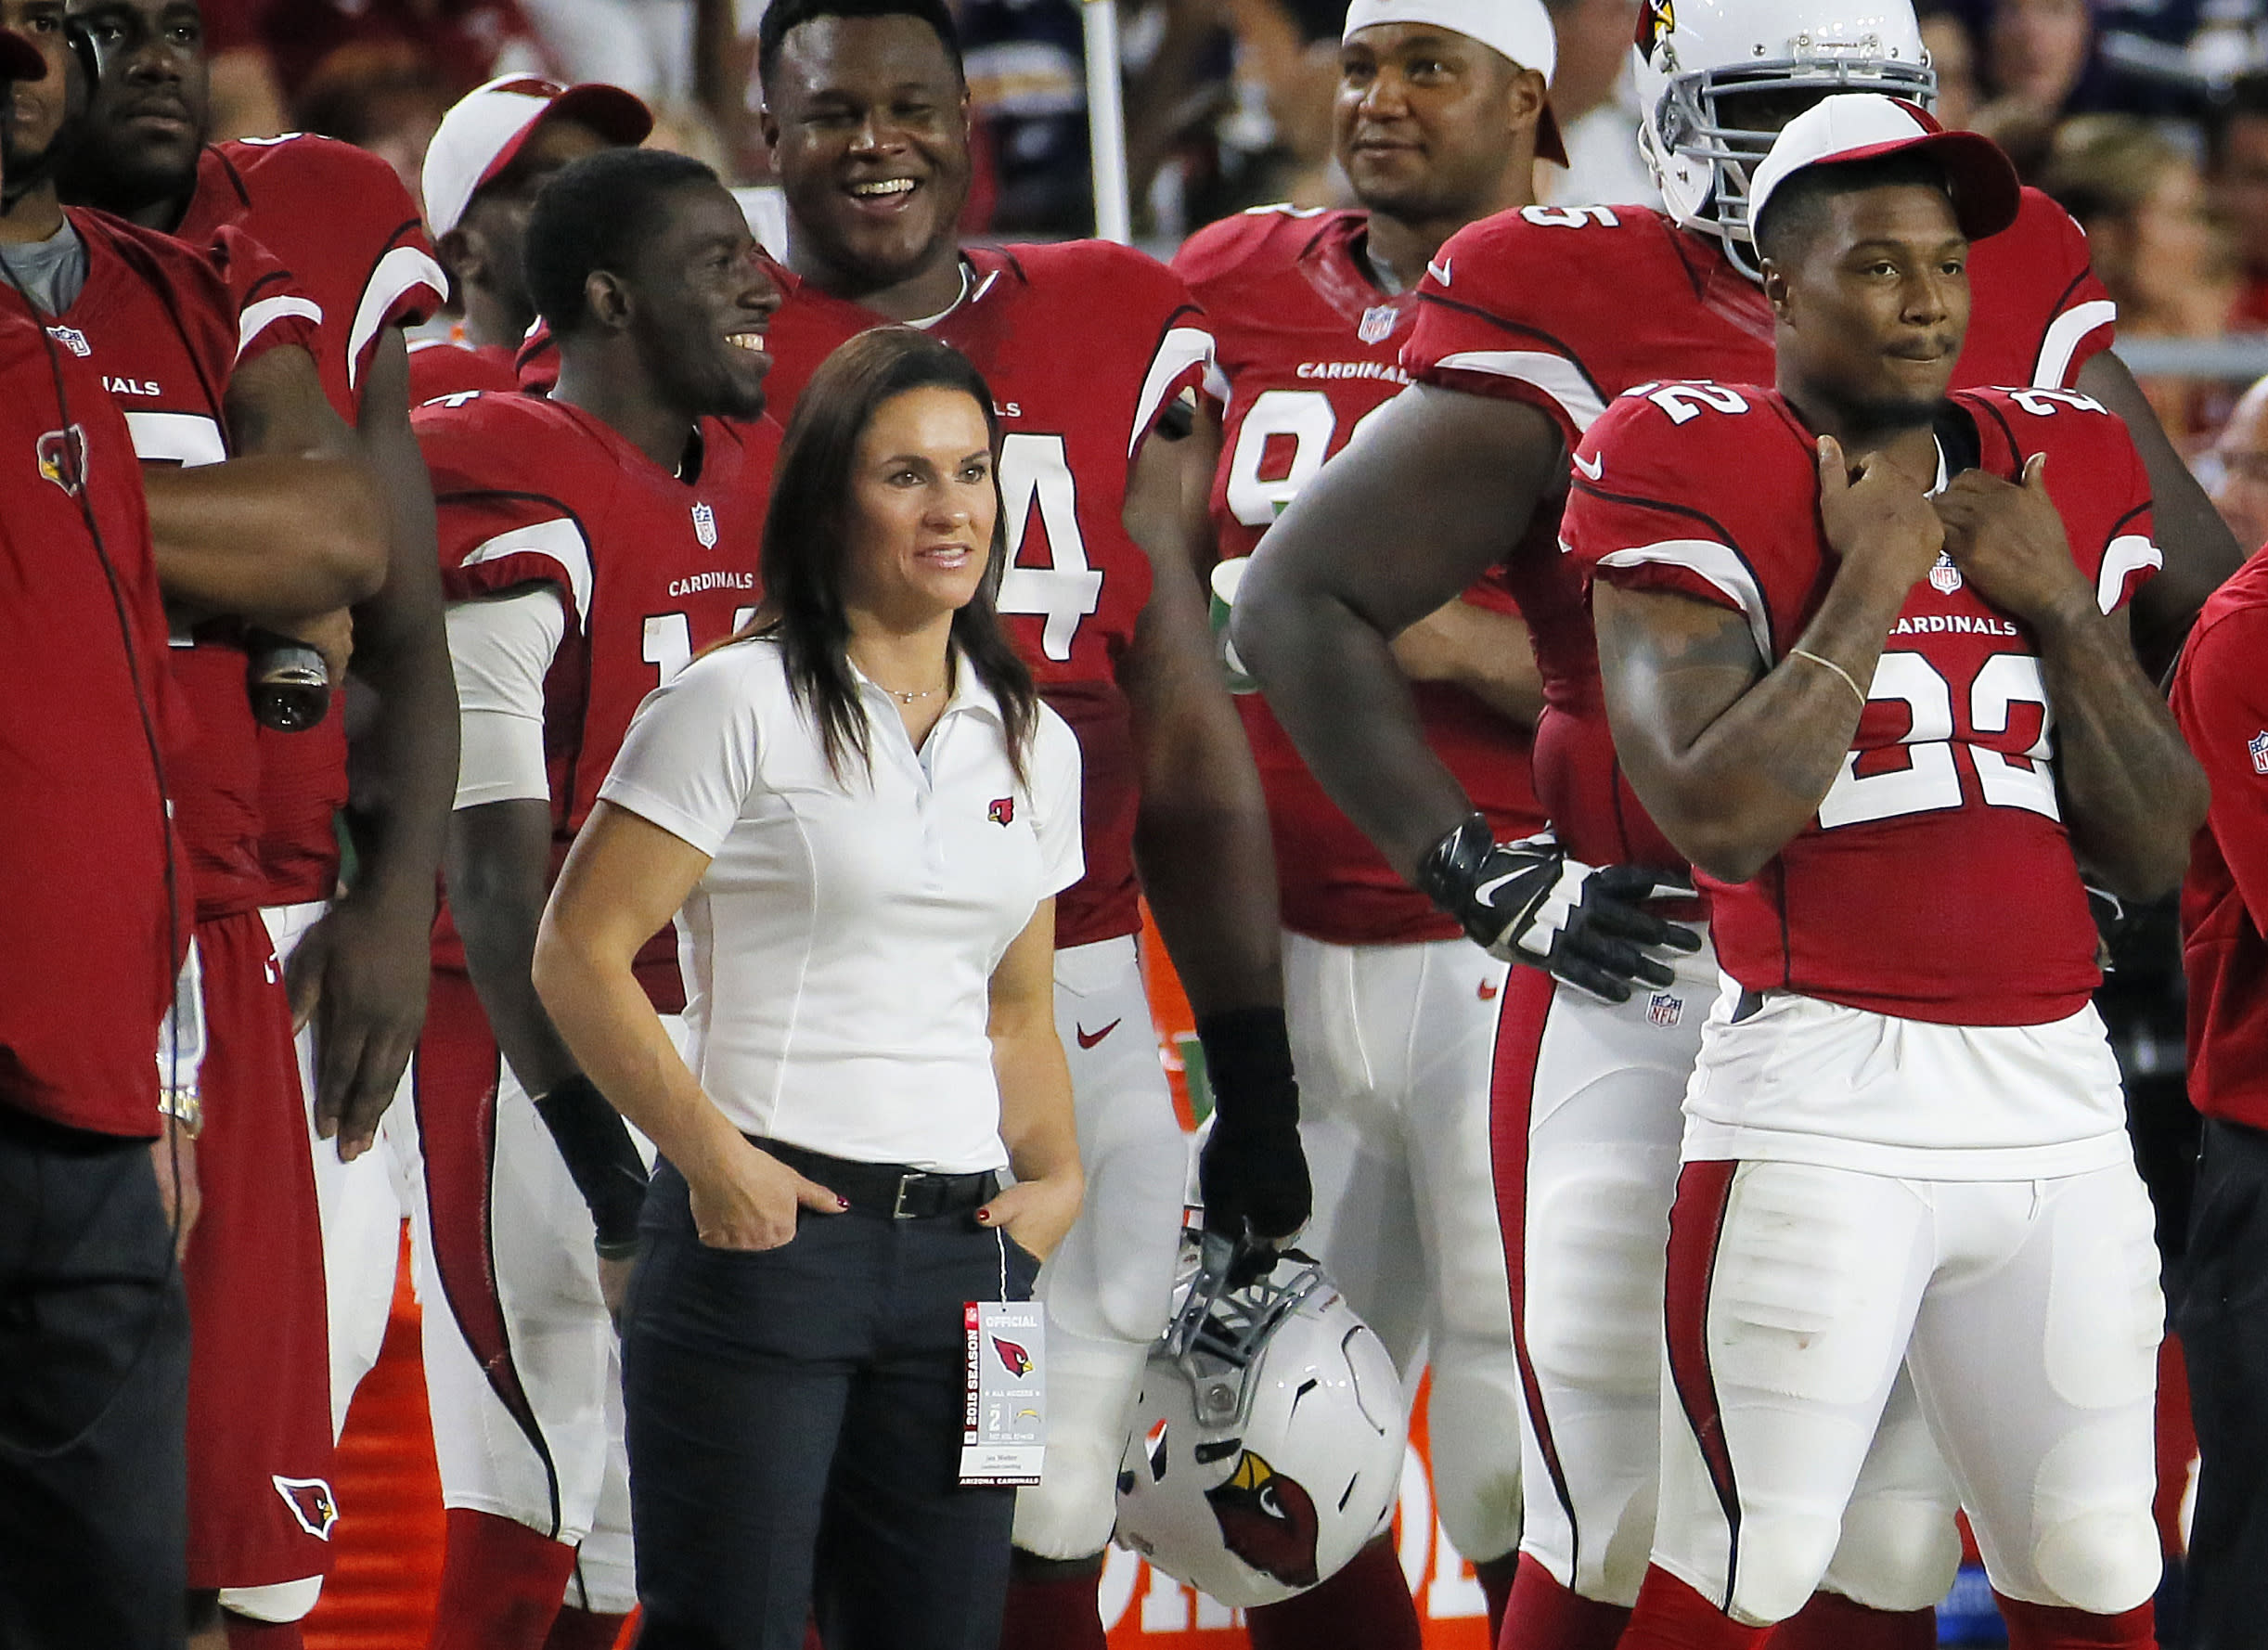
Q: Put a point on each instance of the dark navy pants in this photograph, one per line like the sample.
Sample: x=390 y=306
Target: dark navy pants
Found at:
x=94 y=1395
x=794 y=1427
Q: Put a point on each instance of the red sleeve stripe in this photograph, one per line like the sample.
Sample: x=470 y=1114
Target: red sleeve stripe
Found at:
x=1555 y=375
x=399 y=273
x=1180 y=350
x=559 y=541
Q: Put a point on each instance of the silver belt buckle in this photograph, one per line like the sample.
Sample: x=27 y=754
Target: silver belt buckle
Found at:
x=897 y=1208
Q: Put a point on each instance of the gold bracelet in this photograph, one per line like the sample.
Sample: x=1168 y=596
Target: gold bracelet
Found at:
x=1831 y=664
x=184 y=1106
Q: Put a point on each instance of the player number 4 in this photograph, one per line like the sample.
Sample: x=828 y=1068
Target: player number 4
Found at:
x=1930 y=782
x=1034 y=474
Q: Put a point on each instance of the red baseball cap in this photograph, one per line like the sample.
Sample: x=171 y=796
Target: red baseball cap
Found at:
x=483 y=133
x=1867 y=125
x=19 y=59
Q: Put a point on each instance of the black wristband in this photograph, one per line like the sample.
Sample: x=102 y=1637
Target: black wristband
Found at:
x=1446 y=873
x=601 y=1157
x=1248 y=1061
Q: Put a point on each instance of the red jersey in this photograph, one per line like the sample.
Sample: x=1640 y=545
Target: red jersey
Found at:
x=2220 y=701
x=440 y=366
x=1083 y=344
x=1566 y=307
x=340 y=219
x=1310 y=348
x=165 y=324
x=86 y=922
x=649 y=568
x=1935 y=881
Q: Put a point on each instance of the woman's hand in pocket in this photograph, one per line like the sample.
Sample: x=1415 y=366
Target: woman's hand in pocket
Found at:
x=1036 y=1213
x=745 y=1198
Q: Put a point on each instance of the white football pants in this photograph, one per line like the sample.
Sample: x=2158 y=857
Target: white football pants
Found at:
x=1108 y=1287
x=1392 y=1044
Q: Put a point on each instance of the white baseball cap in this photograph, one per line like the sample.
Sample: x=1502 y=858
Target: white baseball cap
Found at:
x=1519 y=29
x=483 y=134
x=1867 y=125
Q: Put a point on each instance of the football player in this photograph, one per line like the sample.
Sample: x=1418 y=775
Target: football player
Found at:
x=207 y=355
x=340 y=220
x=1088 y=348
x=1865 y=658
x=491 y=153
x=1440 y=116
x=590 y=544
x=1529 y=323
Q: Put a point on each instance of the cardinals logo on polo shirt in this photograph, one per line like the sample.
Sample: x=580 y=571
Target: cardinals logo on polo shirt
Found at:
x=1013 y=1359
x=1002 y=811
x=311 y=1503
x=62 y=458
x=1267 y=1520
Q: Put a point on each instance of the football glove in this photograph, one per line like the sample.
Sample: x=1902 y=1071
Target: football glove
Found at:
x=1252 y=1173
x=1526 y=901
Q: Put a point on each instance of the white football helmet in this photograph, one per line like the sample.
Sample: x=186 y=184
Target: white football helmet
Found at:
x=1697 y=60
x=1267 y=1443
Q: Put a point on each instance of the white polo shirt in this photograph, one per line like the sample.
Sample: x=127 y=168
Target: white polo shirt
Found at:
x=838 y=948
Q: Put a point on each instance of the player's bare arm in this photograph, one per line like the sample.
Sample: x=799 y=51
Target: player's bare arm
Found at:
x=1730 y=758
x=1484 y=652
x=361 y=972
x=1201 y=844
x=267 y=537
x=624 y=881
x=1038 y=1125
x=1387 y=533
x=2199 y=549
x=2132 y=795
x=498 y=863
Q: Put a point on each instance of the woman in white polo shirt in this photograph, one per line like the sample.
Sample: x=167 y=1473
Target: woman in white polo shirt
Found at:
x=859 y=816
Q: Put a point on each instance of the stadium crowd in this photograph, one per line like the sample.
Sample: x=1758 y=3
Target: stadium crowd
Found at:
x=594 y=575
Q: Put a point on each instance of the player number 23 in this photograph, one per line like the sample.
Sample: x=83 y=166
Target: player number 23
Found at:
x=1930 y=781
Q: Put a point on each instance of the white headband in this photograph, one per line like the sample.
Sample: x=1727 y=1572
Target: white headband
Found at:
x=1521 y=30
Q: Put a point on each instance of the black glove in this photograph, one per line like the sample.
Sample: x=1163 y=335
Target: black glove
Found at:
x=601 y=1158
x=1526 y=901
x=1251 y=1174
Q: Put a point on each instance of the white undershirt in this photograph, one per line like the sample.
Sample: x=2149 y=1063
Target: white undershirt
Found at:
x=501 y=649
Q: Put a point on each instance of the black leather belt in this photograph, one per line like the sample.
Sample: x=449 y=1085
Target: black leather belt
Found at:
x=891 y=1189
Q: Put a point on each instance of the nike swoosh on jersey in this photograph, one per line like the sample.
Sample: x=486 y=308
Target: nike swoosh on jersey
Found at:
x=1439 y=271
x=1087 y=1040
x=1594 y=469
x=1489 y=990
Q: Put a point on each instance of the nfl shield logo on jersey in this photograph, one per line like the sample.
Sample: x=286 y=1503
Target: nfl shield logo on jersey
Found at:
x=1665 y=1010
x=704 y=526
x=71 y=339
x=1377 y=323
x=1945 y=576
x=2258 y=746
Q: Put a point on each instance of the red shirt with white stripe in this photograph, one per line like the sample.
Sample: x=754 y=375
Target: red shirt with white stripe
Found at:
x=1566 y=307
x=1083 y=344
x=166 y=323
x=647 y=569
x=2220 y=701
x=1936 y=880
x=342 y=224
x=1307 y=348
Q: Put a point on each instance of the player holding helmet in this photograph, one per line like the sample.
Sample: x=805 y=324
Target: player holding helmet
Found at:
x=1906 y=1153
x=1530 y=324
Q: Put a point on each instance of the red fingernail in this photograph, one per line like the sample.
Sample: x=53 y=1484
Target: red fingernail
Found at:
x=983 y=1216
x=842 y=1202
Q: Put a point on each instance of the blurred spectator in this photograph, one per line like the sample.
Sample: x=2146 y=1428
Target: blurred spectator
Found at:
x=645 y=46
x=1027 y=79
x=467 y=42
x=2235 y=468
x=385 y=95
x=1595 y=100
x=2141 y=200
x=2040 y=53
x=1952 y=53
x=2240 y=190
